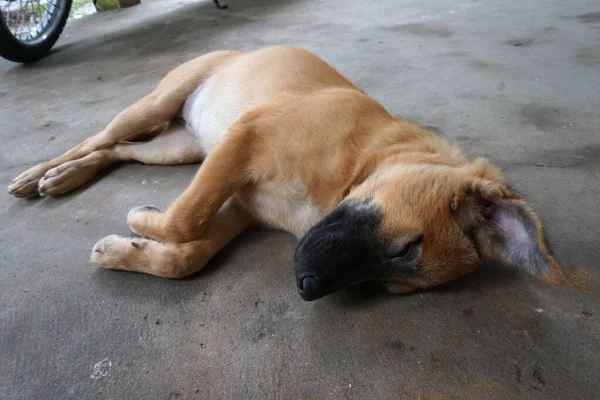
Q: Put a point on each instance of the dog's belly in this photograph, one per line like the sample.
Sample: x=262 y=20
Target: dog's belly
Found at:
x=208 y=112
x=281 y=205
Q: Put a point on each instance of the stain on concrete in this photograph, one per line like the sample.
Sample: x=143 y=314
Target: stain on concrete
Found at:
x=452 y=54
x=398 y=345
x=590 y=55
x=581 y=280
x=567 y=158
x=469 y=391
x=101 y=369
x=419 y=29
x=543 y=117
x=522 y=42
x=517 y=375
x=497 y=98
x=175 y=395
x=549 y=29
x=330 y=26
x=490 y=66
x=538 y=377
x=589 y=18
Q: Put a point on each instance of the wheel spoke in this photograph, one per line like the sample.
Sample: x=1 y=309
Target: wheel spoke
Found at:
x=43 y=21
x=6 y=13
x=41 y=6
x=34 y=15
x=26 y=19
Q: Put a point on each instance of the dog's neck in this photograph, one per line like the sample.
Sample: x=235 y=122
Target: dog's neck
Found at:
x=404 y=142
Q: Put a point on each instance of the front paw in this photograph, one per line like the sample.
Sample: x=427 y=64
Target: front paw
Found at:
x=121 y=252
x=150 y=222
x=144 y=220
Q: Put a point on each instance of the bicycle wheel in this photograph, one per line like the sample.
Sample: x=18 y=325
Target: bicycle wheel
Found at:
x=29 y=28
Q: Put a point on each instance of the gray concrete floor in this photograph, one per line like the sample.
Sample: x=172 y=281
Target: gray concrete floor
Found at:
x=518 y=82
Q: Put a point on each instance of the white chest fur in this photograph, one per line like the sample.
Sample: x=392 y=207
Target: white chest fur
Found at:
x=283 y=205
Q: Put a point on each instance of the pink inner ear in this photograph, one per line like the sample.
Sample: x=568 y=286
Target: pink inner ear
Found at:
x=511 y=228
x=518 y=243
x=509 y=234
x=508 y=223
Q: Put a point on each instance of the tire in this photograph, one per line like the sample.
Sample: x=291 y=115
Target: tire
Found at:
x=16 y=50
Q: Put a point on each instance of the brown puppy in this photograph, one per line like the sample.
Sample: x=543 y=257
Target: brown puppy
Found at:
x=288 y=143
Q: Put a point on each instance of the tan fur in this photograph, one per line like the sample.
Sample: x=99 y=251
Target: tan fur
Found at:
x=304 y=140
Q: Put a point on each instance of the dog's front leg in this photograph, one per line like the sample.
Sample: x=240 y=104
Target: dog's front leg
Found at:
x=172 y=260
x=224 y=171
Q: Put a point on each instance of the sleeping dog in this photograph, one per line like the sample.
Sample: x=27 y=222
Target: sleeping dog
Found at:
x=288 y=143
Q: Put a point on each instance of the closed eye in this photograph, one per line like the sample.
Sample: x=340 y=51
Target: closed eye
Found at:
x=407 y=248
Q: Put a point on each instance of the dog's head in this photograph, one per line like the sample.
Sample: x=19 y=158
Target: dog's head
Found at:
x=417 y=226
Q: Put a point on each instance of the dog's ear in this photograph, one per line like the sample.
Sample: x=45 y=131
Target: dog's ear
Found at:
x=504 y=227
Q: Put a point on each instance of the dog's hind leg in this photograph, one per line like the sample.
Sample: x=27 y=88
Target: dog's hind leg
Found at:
x=174 y=146
x=150 y=115
x=172 y=260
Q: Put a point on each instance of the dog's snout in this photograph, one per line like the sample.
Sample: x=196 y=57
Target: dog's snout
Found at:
x=309 y=288
x=337 y=251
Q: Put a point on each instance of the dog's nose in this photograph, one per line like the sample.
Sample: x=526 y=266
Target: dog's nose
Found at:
x=309 y=288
